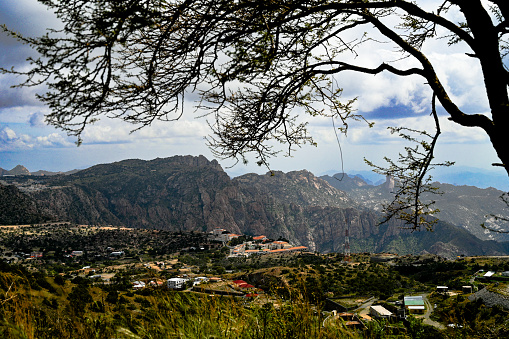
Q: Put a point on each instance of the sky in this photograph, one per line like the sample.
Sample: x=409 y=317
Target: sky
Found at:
x=384 y=99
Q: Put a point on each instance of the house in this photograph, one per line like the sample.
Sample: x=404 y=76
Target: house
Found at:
x=176 y=283
x=218 y=231
x=379 y=311
x=156 y=283
x=250 y=252
x=260 y=238
x=467 y=289
x=199 y=280
x=442 y=289
x=277 y=245
x=414 y=304
x=77 y=253
x=117 y=254
x=137 y=285
x=231 y=236
x=246 y=285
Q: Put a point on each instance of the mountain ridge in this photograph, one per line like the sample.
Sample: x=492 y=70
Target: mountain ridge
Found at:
x=189 y=193
x=465 y=206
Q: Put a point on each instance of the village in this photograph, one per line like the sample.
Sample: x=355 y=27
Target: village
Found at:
x=255 y=271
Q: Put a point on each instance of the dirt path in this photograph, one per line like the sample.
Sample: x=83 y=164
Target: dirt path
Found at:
x=426 y=316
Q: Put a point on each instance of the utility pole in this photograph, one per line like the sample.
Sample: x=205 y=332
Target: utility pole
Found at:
x=347 y=243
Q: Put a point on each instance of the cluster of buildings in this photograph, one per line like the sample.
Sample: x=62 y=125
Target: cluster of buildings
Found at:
x=250 y=247
x=179 y=283
x=218 y=285
x=259 y=245
x=172 y=283
x=410 y=305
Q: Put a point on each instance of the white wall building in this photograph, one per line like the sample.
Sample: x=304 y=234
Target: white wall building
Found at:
x=176 y=283
x=379 y=311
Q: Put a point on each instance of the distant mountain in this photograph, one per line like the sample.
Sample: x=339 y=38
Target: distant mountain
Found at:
x=22 y=170
x=193 y=193
x=18 y=170
x=46 y=173
x=456 y=175
x=470 y=176
x=464 y=206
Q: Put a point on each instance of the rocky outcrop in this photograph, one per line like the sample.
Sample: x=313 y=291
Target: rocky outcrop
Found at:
x=490 y=298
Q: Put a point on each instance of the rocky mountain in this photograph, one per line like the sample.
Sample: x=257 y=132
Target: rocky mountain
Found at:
x=18 y=170
x=464 y=206
x=22 y=170
x=192 y=193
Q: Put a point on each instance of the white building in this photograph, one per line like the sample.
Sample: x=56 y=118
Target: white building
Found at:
x=176 y=283
x=379 y=311
x=137 y=285
x=117 y=254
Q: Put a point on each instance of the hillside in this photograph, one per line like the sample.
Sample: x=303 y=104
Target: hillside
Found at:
x=187 y=193
x=17 y=208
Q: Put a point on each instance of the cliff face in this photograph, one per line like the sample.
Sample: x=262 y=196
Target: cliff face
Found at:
x=191 y=193
x=17 y=208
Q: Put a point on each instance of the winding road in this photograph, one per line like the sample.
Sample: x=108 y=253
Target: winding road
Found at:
x=429 y=309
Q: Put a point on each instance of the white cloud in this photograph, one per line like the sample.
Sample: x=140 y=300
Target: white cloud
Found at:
x=53 y=140
x=117 y=131
x=379 y=134
x=9 y=140
x=12 y=141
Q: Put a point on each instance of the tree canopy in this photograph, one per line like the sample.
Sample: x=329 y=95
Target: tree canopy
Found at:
x=255 y=64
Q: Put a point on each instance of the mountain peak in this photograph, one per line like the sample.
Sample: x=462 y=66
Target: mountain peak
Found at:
x=19 y=170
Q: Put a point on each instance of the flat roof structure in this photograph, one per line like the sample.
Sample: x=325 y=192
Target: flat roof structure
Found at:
x=414 y=301
x=380 y=311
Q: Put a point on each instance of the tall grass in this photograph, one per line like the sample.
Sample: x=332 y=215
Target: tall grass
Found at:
x=184 y=315
x=23 y=315
x=164 y=315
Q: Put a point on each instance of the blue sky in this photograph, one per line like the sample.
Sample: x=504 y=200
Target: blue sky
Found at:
x=385 y=99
